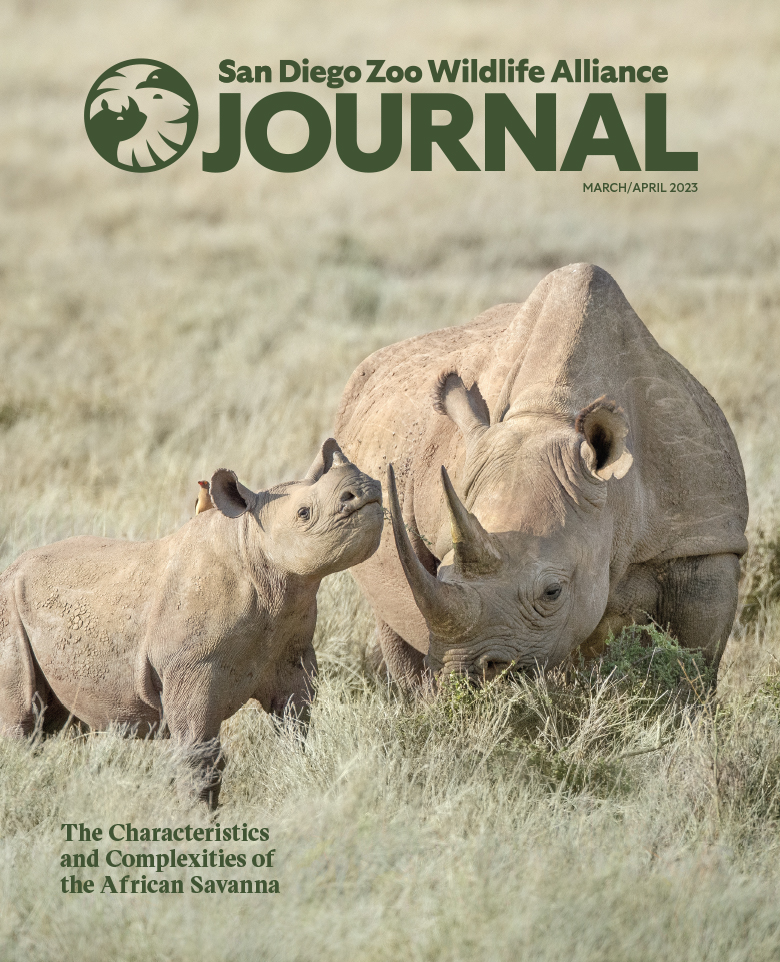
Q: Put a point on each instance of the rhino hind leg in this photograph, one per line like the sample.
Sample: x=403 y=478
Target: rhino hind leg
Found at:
x=391 y=654
x=20 y=703
x=206 y=762
x=23 y=693
x=375 y=660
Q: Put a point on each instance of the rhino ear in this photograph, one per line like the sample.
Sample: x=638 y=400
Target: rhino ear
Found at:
x=604 y=427
x=330 y=456
x=228 y=494
x=466 y=408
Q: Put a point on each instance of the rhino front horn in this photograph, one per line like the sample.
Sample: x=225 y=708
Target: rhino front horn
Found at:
x=449 y=609
x=471 y=544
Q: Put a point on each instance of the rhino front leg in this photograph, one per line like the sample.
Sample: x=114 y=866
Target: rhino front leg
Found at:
x=404 y=664
x=192 y=715
x=291 y=694
x=634 y=600
x=698 y=601
x=694 y=598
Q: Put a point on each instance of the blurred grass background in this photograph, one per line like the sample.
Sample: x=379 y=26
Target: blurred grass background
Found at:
x=156 y=327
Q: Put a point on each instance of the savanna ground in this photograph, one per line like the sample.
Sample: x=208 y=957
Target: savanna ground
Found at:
x=154 y=328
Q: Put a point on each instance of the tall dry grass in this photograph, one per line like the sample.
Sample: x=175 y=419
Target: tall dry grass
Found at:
x=552 y=817
x=156 y=327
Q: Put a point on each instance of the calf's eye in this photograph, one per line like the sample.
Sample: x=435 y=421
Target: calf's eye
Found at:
x=553 y=592
x=303 y=514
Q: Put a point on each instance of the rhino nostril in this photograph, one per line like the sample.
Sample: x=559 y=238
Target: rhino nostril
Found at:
x=348 y=496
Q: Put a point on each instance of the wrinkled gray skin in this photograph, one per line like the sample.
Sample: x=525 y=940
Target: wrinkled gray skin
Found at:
x=179 y=633
x=559 y=476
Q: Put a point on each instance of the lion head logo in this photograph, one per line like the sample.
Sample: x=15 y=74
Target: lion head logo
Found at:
x=141 y=115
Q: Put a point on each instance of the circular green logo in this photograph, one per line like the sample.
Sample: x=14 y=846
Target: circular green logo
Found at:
x=141 y=115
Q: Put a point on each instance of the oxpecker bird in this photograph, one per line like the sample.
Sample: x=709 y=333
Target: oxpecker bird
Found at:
x=204 y=502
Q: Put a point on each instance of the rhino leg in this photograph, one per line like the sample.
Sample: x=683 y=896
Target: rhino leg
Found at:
x=292 y=693
x=403 y=663
x=207 y=761
x=698 y=601
x=23 y=692
x=18 y=691
x=27 y=703
x=192 y=714
x=694 y=598
x=374 y=657
x=634 y=600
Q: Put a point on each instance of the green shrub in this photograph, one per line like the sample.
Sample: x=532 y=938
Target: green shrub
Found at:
x=646 y=655
x=769 y=692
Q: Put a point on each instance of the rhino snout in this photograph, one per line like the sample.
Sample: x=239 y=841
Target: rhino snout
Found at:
x=481 y=669
x=356 y=496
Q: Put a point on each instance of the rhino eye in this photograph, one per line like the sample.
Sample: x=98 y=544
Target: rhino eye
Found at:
x=552 y=592
x=303 y=514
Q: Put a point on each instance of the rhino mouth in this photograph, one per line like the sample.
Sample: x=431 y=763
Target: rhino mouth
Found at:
x=475 y=675
x=480 y=670
x=352 y=507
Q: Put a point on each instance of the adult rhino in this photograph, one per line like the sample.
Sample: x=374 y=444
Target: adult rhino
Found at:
x=560 y=476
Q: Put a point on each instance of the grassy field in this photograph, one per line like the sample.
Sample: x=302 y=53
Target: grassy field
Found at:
x=154 y=328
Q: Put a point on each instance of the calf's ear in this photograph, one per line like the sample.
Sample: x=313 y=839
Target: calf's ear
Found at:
x=230 y=496
x=330 y=456
x=604 y=427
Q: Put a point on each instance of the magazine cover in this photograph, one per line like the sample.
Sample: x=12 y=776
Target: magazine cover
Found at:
x=390 y=556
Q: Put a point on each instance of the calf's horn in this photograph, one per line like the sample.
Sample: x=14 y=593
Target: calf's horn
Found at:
x=330 y=456
x=448 y=609
x=471 y=544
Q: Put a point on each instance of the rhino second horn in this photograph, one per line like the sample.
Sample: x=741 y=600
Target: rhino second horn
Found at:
x=471 y=544
x=448 y=609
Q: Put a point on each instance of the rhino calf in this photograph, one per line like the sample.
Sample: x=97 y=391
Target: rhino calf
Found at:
x=177 y=634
